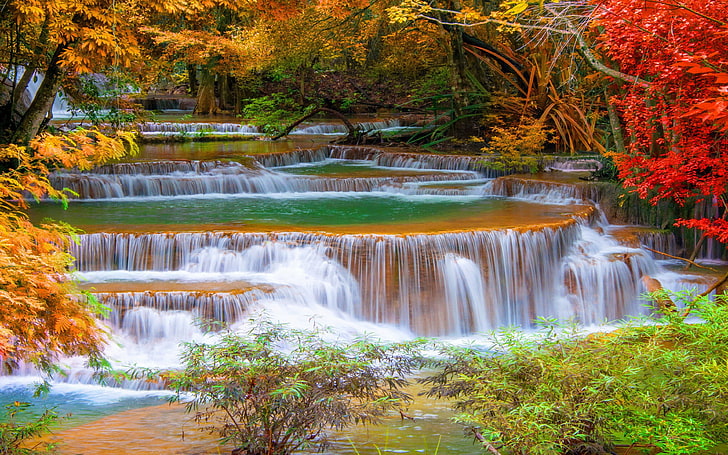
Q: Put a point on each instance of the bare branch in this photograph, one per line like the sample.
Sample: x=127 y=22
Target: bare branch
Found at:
x=682 y=259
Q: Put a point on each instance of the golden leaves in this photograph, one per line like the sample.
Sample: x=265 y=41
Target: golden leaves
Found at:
x=408 y=10
x=40 y=317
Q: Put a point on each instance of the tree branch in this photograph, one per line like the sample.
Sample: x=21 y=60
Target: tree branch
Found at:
x=682 y=259
x=486 y=444
x=594 y=62
x=336 y=114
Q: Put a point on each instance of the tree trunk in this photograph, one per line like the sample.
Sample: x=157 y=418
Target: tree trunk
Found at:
x=192 y=79
x=206 y=102
x=615 y=125
x=22 y=85
x=42 y=104
x=458 y=66
x=238 y=97
x=227 y=92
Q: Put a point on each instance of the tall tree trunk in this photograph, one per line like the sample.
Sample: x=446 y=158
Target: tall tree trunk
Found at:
x=206 y=101
x=458 y=67
x=238 y=97
x=615 y=125
x=22 y=84
x=32 y=68
x=227 y=92
x=42 y=104
x=192 y=78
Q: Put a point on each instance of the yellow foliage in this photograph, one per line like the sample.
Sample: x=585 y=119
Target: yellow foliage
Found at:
x=408 y=10
x=517 y=145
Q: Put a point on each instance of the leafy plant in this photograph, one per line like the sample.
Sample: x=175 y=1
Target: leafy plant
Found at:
x=676 y=115
x=275 y=390
x=658 y=384
x=270 y=113
x=41 y=317
x=518 y=146
x=100 y=100
x=16 y=429
x=544 y=92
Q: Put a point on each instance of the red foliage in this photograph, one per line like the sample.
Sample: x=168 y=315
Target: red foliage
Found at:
x=677 y=123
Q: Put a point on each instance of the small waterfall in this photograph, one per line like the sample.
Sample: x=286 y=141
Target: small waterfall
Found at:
x=277 y=159
x=542 y=191
x=340 y=128
x=417 y=160
x=465 y=295
x=321 y=128
x=184 y=178
x=173 y=179
x=602 y=279
x=574 y=165
x=196 y=127
x=384 y=158
x=224 y=307
x=663 y=241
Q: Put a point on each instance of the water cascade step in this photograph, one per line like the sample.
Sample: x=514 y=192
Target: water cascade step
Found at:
x=450 y=284
x=181 y=178
x=393 y=242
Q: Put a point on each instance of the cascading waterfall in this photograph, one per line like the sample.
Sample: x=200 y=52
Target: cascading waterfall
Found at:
x=177 y=128
x=541 y=191
x=197 y=127
x=193 y=177
x=165 y=288
x=449 y=284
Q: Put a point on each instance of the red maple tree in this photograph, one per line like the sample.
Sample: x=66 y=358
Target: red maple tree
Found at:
x=676 y=113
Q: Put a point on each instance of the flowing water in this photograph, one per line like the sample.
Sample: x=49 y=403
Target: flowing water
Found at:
x=394 y=244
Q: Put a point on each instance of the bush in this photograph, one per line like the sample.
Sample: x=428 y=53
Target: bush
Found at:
x=275 y=390
x=658 y=384
x=517 y=146
x=16 y=431
x=271 y=113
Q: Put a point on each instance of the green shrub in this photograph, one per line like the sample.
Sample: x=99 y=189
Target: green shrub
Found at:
x=661 y=384
x=275 y=390
x=271 y=113
x=17 y=429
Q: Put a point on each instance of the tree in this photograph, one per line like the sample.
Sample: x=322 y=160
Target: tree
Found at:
x=42 y=315
x=59 y=38
x=275 y=390
x=239 y=41
x=677 y=118
x=523 y=62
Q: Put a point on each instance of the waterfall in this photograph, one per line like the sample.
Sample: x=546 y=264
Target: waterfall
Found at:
x=61 y=107
x=465 y=294
x=172 y=179
x=196 y=127
x=448 y=284
x=167 y=288
x=340 y=128
x=184 y=178
x=542 y=191
x=574 y=165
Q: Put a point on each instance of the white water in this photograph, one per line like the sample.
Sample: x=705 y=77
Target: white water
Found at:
x=184 y=128
x=188 y=178
x=61 y=107
x=449 y=285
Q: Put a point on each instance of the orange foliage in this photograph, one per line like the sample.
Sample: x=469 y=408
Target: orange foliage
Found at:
x=95 y=33
x=41 y=315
